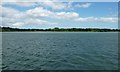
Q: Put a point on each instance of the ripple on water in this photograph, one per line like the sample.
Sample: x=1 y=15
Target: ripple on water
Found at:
x=59 y=51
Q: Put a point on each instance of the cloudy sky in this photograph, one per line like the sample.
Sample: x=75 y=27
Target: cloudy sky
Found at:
x=59 y=14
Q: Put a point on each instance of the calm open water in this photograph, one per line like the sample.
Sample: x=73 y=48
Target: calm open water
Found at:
x=59 y=51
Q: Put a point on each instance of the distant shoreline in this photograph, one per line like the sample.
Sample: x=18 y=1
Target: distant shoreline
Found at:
x=56 y=29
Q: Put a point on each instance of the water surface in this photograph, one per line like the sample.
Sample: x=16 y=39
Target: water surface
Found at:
x=59 y=51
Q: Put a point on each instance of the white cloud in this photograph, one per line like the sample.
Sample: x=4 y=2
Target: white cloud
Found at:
x=108 y=19
x=18 y=24
x=101 y=19
x=26 y=4
x=66 y=15
x=86 y=5
x=13 y=18
x=8 y=21
x=33 y=21
x=38 y=12
x=8 y=11
x=54 y=4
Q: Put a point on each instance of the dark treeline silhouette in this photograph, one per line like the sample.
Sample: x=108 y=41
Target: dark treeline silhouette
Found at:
x=8 y=29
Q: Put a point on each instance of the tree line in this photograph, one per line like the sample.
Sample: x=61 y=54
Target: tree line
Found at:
x=7 y=29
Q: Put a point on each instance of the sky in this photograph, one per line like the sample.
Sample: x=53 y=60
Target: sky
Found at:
x=59 y=14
